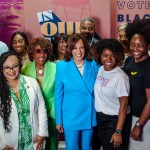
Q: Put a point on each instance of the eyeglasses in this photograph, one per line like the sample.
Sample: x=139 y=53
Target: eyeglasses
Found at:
x=139 y=45
x=5 y=7
x=8 y=69
x=89 y=28
x=39 y=51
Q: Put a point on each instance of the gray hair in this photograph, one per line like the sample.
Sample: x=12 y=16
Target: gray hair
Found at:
x=123 y=25
x=87 y=19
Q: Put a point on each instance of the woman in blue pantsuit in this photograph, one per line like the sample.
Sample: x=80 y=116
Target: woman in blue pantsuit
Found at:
x=74 y=99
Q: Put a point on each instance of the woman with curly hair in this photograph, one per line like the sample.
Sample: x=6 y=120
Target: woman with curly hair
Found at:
x=19 y=44
x=137 y=67
x=74 y=97
x=111 y=92
x=23 y=118
x=59 y=46
x=39 y=51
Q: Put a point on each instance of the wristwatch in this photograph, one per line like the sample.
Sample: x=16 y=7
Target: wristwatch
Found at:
x=137 y=124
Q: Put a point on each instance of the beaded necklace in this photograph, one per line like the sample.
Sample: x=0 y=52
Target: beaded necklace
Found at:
x=16 y=89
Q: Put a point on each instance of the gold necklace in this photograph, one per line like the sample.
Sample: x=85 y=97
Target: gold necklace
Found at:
x=40 y=71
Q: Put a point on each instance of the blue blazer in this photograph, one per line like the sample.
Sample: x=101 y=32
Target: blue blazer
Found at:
x=74 y=96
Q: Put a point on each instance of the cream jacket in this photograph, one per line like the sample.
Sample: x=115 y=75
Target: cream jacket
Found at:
x=37 y=113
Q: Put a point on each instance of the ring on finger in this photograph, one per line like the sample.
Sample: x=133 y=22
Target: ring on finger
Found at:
x=118 y=145
x=115 y=145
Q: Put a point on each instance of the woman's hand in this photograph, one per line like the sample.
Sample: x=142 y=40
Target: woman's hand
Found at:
x=135 y=133
x=60 y=128
x=39 y=141
x=8 y=148
x=116 y=139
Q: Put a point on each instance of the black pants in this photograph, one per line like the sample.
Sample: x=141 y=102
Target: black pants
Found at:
x=95 y=140
x=106 y=128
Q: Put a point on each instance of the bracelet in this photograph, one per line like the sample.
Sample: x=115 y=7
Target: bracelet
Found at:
x=118 y=131
x=138 y=124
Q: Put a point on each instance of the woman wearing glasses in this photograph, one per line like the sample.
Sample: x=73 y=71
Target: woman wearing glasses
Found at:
x=19 y=44
x=23 y=118
x=43 y=71
x=137 y=67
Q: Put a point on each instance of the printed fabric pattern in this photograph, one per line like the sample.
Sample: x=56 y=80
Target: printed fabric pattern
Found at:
x=23 y=108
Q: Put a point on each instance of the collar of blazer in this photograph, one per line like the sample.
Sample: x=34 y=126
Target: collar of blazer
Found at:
x=49 y=73
x=85 y=79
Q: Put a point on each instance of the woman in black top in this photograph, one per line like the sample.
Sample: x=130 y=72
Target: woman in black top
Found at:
x=137 y=67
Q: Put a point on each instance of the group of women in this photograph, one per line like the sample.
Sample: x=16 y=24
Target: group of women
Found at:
x=32 y=60
x=74 y=93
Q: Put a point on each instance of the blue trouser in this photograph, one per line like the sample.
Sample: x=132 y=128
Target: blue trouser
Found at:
x=78 y=139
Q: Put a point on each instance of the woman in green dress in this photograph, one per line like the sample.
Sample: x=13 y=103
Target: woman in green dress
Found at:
x=43 y=71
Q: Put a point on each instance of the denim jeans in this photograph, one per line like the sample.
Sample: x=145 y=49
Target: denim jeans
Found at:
x=106 y=128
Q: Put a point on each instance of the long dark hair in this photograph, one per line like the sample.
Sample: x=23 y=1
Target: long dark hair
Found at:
x=61 y=36
x=5 y=96
x=24 y=38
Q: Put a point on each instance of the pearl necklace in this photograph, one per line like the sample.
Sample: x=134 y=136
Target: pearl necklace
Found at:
x=16 y=89
x=80 y=66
